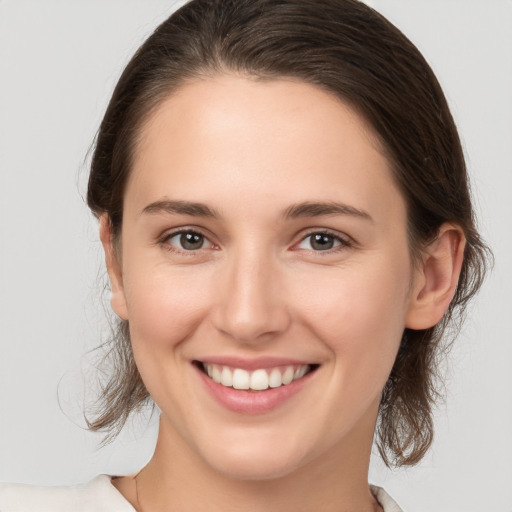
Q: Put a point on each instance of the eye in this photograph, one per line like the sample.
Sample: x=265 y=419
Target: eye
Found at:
x=321 y=242
x=188 y=241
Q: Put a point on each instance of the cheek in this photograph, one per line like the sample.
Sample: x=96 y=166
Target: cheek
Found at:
x=164 y=307
x=165 y=310
x=359 y=314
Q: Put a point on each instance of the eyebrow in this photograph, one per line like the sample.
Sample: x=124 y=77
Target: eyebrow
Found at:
x=295 y=211
x=314 y=209
x=180 y=207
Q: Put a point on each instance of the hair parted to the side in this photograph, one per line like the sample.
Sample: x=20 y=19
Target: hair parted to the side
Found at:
x=348 y=49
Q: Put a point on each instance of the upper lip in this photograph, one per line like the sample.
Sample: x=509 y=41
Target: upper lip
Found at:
x=253 y=363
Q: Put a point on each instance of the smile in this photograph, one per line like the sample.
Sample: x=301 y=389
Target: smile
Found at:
x=255 y=386
x=257 y=380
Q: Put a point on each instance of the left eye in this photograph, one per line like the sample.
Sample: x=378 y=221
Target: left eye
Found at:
x=319 y=242
x=188 y=241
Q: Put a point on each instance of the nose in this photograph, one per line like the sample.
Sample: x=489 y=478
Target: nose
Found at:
x=251 y=305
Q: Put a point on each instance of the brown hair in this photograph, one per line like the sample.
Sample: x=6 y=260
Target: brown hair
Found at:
x=348 y=49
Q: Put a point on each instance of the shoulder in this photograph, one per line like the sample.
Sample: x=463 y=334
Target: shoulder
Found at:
x=98 y=495
x=385 y=500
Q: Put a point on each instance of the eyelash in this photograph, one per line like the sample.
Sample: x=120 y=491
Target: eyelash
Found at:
x=343 y=242
x=164 y=241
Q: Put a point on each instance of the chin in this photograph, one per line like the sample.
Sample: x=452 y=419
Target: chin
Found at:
x=252 y=460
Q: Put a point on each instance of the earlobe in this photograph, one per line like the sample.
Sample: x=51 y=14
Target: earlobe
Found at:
x=114 y=269
x=436 y=278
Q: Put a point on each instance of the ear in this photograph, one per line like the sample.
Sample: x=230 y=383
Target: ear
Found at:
x=114 y=268
x=436 y=278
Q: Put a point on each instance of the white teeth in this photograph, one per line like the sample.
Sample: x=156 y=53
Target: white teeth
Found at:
x=241 y=379
x=216 y=375
x=226 y=377
x=275 y=379
x=288 y=375
x=258 y=380
x=300 y=372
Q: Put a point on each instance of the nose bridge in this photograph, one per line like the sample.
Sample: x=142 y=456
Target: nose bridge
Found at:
x=251 y=304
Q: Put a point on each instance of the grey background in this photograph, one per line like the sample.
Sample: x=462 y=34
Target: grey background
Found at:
x=59 y=61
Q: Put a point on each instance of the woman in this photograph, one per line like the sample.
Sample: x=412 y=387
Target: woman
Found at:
x=286 y=220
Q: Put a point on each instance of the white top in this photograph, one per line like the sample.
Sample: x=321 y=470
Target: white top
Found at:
x=98 y=495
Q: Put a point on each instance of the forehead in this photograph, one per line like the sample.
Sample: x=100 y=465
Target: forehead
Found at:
x=255 y=104
x=239 y=135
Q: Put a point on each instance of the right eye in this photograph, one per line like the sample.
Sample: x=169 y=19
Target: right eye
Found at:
x=188 y=241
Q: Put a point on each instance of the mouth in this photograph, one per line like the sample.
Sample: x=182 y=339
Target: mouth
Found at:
x=256 y=386
x=258 y=379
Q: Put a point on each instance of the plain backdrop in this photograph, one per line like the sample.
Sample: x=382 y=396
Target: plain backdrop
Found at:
x=59 y=61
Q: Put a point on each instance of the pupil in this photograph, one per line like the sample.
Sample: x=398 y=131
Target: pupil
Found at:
x=191 y=241
x=322 y=242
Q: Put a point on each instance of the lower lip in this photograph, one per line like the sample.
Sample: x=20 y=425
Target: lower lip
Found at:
x=252 y=402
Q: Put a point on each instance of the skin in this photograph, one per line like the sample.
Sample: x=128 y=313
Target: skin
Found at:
x=250 y=151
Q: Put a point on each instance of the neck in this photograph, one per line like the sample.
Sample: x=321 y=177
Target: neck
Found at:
x=176 y=478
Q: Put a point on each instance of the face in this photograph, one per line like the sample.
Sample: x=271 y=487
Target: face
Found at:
x=264 y=246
